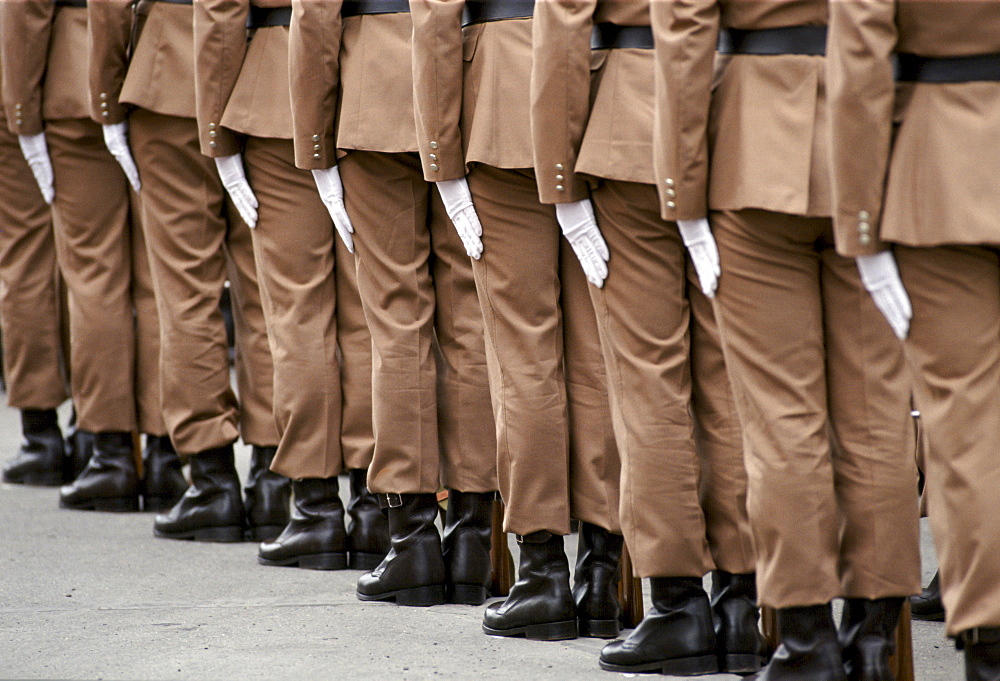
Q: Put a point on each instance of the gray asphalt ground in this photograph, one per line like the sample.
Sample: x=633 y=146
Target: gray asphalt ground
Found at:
x=95 y=596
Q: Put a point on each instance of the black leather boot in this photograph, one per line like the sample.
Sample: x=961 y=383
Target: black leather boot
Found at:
x=867 y=637
x=314 y=537
x=928 y=606
x=808 y=649
x=39 y=461
x=412 y=573
x=163 y=481
x=268 y=496
x=468 y=527
x=109 y=482
x=367 y=527
x=211 y=509
x=540 y=605
x=595 y=582
x=982 y=654
x=738 y=640
x=675 y=637
x=79 y=448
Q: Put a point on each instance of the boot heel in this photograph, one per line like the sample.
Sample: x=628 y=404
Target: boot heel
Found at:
x=117 y=504
x=599 y=628
x=745 y=663
x=421 y=596
x=365 y=561
x=323 y=561
x=690 y=666
x=468 y=594
x=261 y=533
x=551 y=631
x=224 y=535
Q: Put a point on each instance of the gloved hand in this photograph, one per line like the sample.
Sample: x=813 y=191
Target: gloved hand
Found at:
x=331 y=190
x=698 y=239
x=234 y=179
x=880 y=277
x=580 y=228
x=117 y=143
x=36 y=153
x=458 y=203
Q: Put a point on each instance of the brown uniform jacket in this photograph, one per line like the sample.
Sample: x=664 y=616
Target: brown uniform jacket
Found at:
x=575 y=134
x=765 y=143
x=239 y=86
x=936 y=182
x=351 y=82
x=44 y=63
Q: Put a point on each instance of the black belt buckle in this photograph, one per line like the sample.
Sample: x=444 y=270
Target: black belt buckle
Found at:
x=613 y=36
x=803 y=40
x=483 y=11
x=975 y=68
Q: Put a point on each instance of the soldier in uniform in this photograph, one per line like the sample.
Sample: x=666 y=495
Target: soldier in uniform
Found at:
x=195 y=238
x=925 y=195
x=557 y=457
x=684 y=484
x=352 y=102
x=818 y=377
x=308 y=282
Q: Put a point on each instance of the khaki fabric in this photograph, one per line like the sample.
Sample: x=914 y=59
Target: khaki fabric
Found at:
x=684 y=485
x=432 y=414
x=824 y=399
x=194 y=241
x=556 y=452
x=955 y=357
x=161 y=70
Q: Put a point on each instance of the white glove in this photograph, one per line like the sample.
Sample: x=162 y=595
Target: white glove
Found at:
x=117 y=143
x=36 y=153
x=698 y=239
x=580 y=228
x=458 y=203
x=880 y=276
x=331 y=190
x=234 y=179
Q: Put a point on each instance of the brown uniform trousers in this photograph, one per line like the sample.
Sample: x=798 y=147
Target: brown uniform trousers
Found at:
x=308 y=281
x=194 y=237
x=922 y=175
x=113 y=321
x=432 y=416
x=819 y=380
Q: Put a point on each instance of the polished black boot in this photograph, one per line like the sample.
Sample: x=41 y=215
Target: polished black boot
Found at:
x=314 y=537
x=540 y=605
x=211 y=509
x=468 y=527
x=675 y=637
x=741 y=648
x=867 y=637
x=367 y=527
x=109 y=482
x=412 y=572
x=982 y=654
x=595 y=582
x=928 y=606
x=268 y=496
x=79 y=448
x=39 y=461
x=808 y=649
x=163 y=481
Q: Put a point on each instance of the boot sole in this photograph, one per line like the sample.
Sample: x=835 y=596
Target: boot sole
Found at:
x=37 y=480
x=260 y=533
x=365 y=561
x=468 y=594
x=930 y=617
x=309 y=561
x=421 y=596
x=745 y=663
x=599 y=628
x=548 y=631
x=222 y=535
x=681 y=666
x=107 y=505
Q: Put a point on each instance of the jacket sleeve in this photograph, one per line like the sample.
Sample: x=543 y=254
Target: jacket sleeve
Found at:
x=560 y=95
x=861 y=97
x=314 y=80
x=220 y=43
x=685 y=34
x=25 y=30
x=437 y=86
x=109 y=30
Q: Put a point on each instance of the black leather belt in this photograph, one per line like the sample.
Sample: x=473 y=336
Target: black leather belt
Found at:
x=175 y=2
x=613 y=36
x=809 y=40
x=353 y=8
x=482 y=11
x=262 y=17
x=980 y=67
x=71 y=3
